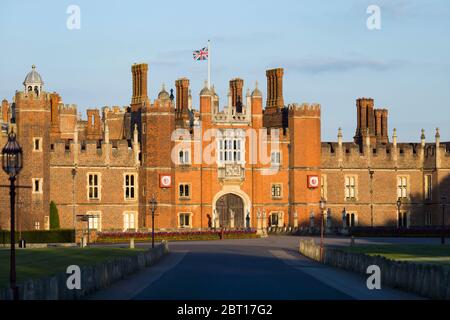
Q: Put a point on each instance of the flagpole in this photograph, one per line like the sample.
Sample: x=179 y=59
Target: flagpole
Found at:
x=209 y=64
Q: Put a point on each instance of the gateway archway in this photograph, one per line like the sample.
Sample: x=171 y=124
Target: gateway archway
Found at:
x=231 y=211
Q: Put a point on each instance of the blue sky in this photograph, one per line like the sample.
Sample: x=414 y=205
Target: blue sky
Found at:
x=329 y=55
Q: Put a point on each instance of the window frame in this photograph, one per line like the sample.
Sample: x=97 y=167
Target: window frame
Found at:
x=274 y=185
x=129 y=214
x=278 y=158
x=230 y=145
x=41 y=185
x=184 y=197
x=348 y=188
x=39 y=139
x=402 y=189
x=189 y=215
x=98 y=186
x=131 y=187
x=98 y=219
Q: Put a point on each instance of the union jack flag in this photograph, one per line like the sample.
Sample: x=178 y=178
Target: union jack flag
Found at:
x=201 y=54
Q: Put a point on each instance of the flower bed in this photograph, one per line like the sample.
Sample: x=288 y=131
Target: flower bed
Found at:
x=121 y=237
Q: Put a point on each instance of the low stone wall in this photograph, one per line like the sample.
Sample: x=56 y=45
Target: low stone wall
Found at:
x=430 y=281
x=93 y=278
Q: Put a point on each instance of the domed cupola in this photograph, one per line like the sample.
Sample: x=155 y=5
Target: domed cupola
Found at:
x=33 y=81
x=163 y=95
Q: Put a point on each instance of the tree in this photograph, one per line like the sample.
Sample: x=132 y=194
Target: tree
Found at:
x=54 y=217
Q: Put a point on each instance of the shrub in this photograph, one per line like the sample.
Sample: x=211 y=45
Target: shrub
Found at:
x=426 y=232
x=37 y=236
x=54 y=217
x=118 y=237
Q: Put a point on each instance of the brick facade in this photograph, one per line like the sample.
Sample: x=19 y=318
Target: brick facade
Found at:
x=111 y=164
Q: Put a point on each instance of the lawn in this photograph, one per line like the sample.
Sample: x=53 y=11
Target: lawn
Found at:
x=432 y=254
x=38 y=263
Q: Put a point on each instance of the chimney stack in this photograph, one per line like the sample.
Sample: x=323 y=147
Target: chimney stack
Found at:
x=275 y=88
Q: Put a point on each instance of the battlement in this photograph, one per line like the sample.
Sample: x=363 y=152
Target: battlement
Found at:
x=69 y=109
x=365 y=101
x=92 y=153
x=114 y=110
x=27 y=96
x=401 y=155
x=304 y=110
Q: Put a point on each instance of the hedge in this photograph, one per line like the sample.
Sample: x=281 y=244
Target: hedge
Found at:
x=418 y=232
x=121 y=237
x=48 y=236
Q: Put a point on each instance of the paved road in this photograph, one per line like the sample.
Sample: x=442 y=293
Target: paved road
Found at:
x=259 y=269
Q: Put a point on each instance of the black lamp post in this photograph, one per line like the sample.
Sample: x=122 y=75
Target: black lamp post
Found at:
x=153 y=204
x=322 y=205
x=444 y=202
x=12 y=163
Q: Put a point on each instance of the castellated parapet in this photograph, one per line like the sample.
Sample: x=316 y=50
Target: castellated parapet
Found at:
x=304 y=110
x=92 y=153
x=385 y=156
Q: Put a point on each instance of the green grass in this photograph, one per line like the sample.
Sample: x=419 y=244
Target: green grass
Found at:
x=431 y=254
x=38 y=263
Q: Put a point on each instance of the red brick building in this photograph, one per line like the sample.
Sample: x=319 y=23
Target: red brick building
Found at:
x=237 y=166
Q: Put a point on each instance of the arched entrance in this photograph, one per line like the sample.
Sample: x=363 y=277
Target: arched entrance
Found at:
x=230 y=211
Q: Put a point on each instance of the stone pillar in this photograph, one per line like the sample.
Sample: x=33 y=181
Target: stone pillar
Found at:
x=231 y=219
x=295 y=219
x=258 y=220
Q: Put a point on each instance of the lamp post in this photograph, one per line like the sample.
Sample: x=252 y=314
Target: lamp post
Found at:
x=153 y=204
x=322 y=205
x=12 y=163
x=444 y=202
x=399 y=205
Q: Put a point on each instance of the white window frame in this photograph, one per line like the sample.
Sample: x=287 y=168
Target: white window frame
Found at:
x=190 y=215
x=40 y=144
x=274 y=185
x=41 y=185
x=128 y=217
x=95 y=223
x=275 y=158
x=231 y=147
x=130 y=187
x=402 y=187
x=351 y=187
x=184 y=157
x=184 y=184
x=98 y=186
x=37 y=225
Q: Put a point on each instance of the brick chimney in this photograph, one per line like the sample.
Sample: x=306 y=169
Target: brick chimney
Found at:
x=236 y=86
x=275 y=88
